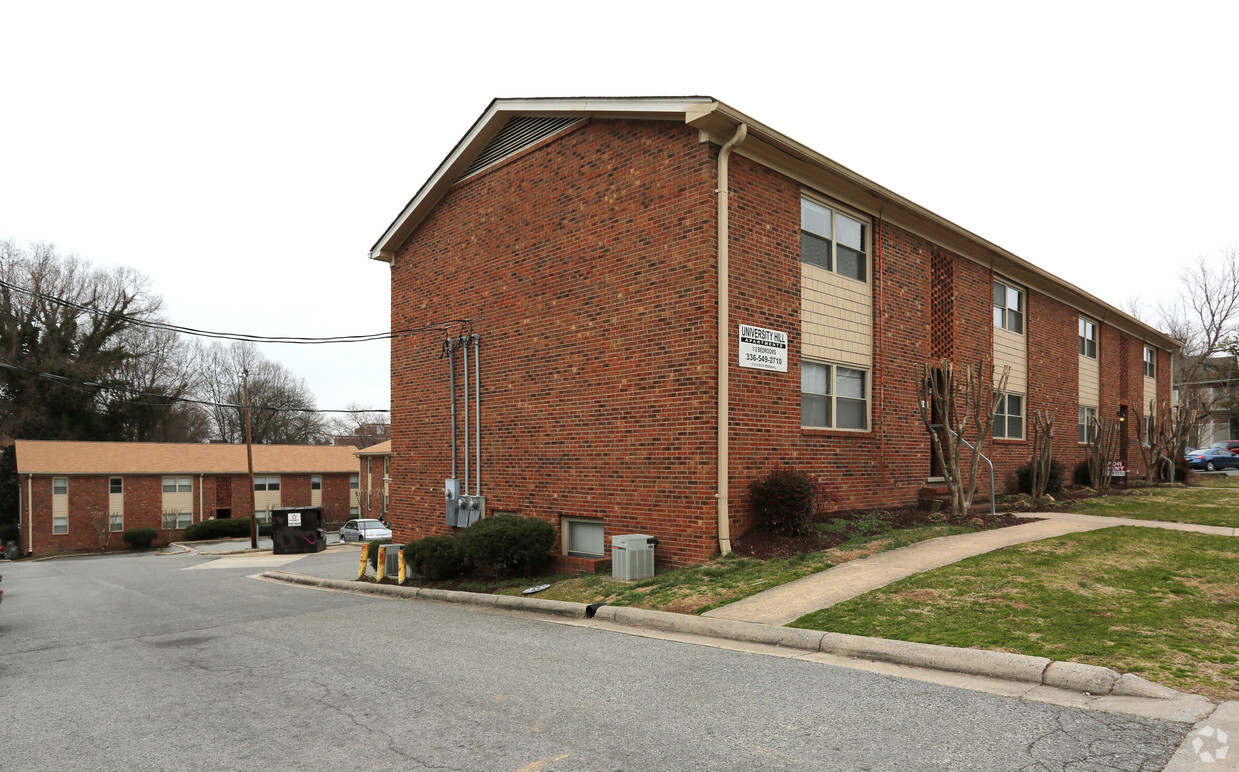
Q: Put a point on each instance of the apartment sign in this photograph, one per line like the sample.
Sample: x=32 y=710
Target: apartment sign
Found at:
x=763 y=349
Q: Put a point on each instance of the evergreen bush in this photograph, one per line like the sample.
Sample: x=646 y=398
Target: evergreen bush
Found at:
x=1082 y=475
x=218 y=528
x=1023 y=477
x=507 y=544
x=783 y=501
x=436 y=557
x=139 y=538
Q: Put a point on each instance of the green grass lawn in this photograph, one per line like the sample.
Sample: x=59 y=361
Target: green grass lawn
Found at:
x=1161 y=604
x=1206 y=506
x=697 y=589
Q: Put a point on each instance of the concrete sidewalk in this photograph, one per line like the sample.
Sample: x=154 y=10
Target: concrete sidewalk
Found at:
x=786 y=603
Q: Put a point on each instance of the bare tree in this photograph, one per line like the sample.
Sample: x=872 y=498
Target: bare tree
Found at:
x=361 y=425
x=282 y=409
x=953 y=409
x=1205 y=317
x=1101 y=452
x=1042 y=444
x=101 y=521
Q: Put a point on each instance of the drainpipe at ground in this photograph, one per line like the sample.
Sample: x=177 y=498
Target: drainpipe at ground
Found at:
x=724 y=338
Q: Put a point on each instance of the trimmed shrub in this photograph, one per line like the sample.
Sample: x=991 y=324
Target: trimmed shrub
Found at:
x=139 y=538
x=436 y=557
x=1082 y=476
x=372 y=551
x=220 y=528
x=507 y=544
x=1023 y=477
x=1181 y=471
x=783 y=501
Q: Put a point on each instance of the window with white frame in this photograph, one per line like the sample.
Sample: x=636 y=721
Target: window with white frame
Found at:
x=1009 y=419
x=116 y=521
x=267 y=483
x=1085 y=430
x=1150 y=362
x=60 y=505
x=316 y=482
x=1008 y=307
x=833 y=396
x=178 y=485
x=583 y=537
x=832 y=240
x=354 y=481
x=1148 y=431
x=354 y=511
x=116 y=485
x=1088 y=338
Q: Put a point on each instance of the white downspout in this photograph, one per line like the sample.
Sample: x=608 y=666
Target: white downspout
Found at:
x=724 y=339
x=30 y=512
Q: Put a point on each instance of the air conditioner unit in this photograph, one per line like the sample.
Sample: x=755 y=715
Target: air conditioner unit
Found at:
x=632 y=556
x=392 y=554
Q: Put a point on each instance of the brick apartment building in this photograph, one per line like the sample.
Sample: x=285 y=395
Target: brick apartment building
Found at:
x=150 y=484
x=374 y=481
x=585 y=241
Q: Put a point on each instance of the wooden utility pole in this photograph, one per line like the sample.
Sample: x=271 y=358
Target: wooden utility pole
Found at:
x=249 y=457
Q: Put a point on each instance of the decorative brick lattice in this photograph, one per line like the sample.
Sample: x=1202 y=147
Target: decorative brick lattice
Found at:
x=942 y=306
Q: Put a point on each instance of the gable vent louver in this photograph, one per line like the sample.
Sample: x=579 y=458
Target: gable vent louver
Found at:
x=518 y=134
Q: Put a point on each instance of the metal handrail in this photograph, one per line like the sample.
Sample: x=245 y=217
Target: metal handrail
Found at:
x=992 y=510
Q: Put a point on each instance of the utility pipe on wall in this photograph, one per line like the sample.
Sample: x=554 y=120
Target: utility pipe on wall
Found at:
x=451 y=385
x=477 y=418
x=724 y=339
x=30 y=512
x=464 y=347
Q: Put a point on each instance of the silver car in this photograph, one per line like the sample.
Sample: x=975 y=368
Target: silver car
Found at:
x=364 y=530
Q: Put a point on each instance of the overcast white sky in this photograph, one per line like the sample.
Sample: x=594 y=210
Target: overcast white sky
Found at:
x=245 y=155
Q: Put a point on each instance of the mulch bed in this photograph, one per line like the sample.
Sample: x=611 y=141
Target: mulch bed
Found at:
x=756 y=543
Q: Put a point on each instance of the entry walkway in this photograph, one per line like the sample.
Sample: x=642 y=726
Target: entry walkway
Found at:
x=786 y=603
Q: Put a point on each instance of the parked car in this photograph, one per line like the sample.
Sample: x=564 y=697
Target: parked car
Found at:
x=1211 y=459
x=369 y=530
x=1231 y=445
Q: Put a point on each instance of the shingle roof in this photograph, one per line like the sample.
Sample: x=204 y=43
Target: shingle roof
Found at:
x=69 y=458
x=382 y=449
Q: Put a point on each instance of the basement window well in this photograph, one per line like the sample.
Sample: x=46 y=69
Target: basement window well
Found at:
x=583 y=537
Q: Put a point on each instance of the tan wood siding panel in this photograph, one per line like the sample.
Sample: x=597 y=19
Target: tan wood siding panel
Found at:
x=316 y=498
x=1011 y=350
x=60 y=505
x=116 y=503
x=266 y=500
x=837 y=317
x=178 y=502
x=1090 y=382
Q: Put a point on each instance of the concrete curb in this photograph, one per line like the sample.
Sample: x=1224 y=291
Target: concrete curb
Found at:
x=1073 y=676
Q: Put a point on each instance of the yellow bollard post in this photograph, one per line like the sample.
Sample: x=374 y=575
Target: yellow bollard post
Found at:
x=381 y=571
x=361 y=570
x=402 y=573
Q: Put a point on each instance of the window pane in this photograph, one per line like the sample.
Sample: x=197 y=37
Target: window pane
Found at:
x=273 y=483
x=851 y=263
x=849 y=232
x=1015 y=428
x=814 y=250
x=169 y=485
x=1000 y=317
x=814 y=378
x=814 y=411
x=116 y=522
x=1015 y=299
x=1015 y=322
x=116 y=485
x=815 y=218
x=850 y=383
x=60 y=485
x=851 y=413
x=584 y=538
x=1000 y=295
x=1015 y=405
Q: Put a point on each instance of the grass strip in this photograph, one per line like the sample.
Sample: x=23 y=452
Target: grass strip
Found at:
x=1161 y=604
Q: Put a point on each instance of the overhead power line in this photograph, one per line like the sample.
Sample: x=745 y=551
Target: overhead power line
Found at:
x=165 y=399
x=158 y=325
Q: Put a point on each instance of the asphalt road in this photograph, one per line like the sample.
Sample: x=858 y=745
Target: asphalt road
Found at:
x=182 y=662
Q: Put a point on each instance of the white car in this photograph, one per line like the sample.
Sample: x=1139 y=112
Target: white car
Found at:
x=364 y=530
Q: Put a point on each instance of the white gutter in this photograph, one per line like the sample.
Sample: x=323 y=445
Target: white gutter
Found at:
x=724 y=338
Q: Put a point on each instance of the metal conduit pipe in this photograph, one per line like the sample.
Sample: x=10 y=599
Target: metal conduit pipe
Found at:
x=724 y=338
x=465 y=369
x=451 y=385
x=477 y=418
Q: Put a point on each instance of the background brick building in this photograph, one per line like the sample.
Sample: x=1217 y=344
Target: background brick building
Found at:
x=151 y=484
x=582 y=240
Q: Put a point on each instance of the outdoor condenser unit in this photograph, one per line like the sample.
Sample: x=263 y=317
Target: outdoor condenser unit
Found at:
x=632 y=556
x=392 y=553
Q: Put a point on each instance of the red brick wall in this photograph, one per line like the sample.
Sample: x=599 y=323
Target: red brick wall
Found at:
x=143 y=505
x=588 y=268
